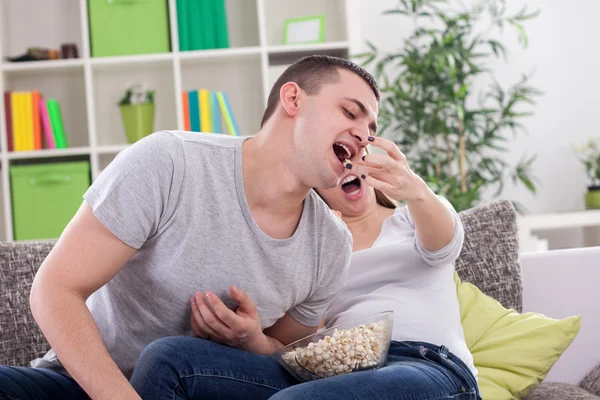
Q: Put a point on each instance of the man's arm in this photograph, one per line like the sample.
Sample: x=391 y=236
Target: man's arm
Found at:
x=86 y=257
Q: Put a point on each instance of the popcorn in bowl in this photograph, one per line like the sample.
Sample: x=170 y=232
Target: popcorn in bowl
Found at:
x=354 y=346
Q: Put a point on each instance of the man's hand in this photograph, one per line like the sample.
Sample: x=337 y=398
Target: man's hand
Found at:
x=212 y=320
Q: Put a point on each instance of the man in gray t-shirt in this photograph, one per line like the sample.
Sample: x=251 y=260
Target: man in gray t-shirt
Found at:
x=193 y=231
x=179 y=213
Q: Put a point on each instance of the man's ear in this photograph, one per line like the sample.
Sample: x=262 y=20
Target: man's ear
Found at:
x=289 y=95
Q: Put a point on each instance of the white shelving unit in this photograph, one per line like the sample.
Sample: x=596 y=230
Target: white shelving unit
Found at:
x=89 y=88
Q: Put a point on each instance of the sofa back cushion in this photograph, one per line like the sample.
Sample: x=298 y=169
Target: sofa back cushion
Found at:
x=20 y=338
x=489 y=258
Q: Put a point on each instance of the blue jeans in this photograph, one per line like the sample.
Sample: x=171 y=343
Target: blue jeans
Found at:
x=37 y=384
x=191 y=368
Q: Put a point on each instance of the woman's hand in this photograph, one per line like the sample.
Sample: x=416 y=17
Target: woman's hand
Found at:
x=212 y=320
x=390 y=173
x=434 y=222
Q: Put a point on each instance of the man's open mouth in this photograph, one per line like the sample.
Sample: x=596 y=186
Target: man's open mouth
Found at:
x=351 y=185
x=342 y=152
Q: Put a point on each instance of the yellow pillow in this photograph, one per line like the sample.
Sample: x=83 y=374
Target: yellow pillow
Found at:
x=513 y=352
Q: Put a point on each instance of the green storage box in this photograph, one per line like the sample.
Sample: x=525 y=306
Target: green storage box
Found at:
x=45 y=197
x=124 y=27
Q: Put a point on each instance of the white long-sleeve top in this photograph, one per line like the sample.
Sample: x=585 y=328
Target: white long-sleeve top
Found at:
x=398 y=274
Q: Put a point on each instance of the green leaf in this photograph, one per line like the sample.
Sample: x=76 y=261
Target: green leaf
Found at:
x=498 y=48
x=389 y=12
x=520 y=30
x=371 y=46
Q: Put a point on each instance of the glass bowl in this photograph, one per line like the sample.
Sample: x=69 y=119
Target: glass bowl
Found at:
x=358 y=345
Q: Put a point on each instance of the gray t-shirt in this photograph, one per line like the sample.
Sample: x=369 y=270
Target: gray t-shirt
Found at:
x=178 y=198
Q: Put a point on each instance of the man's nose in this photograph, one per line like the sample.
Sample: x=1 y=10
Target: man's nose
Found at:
x=362 y=136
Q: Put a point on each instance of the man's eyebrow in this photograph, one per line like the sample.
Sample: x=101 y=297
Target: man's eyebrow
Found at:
x=363 y=110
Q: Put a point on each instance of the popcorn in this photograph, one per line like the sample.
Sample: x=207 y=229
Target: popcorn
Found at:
x=346 y=351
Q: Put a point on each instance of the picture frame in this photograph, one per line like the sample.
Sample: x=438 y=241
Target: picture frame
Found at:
x=304 y=30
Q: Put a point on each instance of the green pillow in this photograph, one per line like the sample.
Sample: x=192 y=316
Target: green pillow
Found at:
x=513 y=352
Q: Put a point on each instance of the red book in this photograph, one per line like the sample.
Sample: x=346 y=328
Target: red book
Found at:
x=8 y=116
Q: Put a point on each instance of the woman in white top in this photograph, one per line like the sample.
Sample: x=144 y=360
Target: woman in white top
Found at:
x=402 y=260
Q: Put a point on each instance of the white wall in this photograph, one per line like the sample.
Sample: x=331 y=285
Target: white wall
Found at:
x=564 y=54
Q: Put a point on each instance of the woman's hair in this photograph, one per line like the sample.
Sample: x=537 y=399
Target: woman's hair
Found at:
x=384 y=200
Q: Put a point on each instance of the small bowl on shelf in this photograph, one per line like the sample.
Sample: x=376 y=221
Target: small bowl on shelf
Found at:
x=357 y=345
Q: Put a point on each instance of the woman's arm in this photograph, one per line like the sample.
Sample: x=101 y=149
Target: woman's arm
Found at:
x=434 y=222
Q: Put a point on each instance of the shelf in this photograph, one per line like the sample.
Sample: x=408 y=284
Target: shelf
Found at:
x=48 y=65
x=113 y=149
x=126 y=61
x=73 y=151
x=312 y=48
x=275 y=53
x=287 y=54
x=219 y=53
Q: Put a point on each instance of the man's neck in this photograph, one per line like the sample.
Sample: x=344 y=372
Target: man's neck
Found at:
x=273 y=191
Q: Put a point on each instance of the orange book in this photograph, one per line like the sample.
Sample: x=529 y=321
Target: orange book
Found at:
x=186 y=111
x=37 y=121
x=27 y=116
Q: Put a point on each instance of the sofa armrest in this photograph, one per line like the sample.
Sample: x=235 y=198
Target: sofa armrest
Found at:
x=561 y=283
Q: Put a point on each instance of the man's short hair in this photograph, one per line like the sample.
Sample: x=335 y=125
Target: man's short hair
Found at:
x=311 y=73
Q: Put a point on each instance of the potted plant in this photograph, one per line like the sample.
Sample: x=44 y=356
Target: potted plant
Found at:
x=429 y=105
x=137 y=112
x=589 y=155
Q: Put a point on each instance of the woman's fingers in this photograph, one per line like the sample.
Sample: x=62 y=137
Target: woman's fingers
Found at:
x=389 y=146
x=379 y=161
x=377 y=184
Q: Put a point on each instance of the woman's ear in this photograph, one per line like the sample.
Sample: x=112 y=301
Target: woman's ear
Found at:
x=289 y=95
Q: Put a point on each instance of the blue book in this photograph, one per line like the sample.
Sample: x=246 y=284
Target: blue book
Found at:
x=235 y=127
x=214 y=107
x=194 y=111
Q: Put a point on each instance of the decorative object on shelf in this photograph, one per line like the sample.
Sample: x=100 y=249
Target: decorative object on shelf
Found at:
x=202 y=24
x=69 y=50
x=589 y=155
x=33 y=122
x=429 y=105
x=126 y=27
x=137 y=112
x=304 y=30
x=201 y=112
x=37 y=54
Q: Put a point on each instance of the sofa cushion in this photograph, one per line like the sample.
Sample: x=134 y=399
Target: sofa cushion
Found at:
x=560 y=391
x=489 y=258
x=591 y=382
x=513 y=352
x=20 y=338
